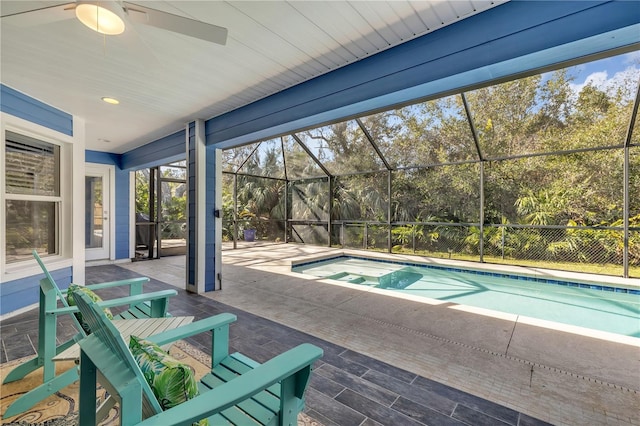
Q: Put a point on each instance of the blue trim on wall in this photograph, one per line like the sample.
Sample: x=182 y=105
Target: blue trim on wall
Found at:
x=162 y=151
x=119 y=212
x=204 y=230
x=100 y=157
x=191 y=207
x=22 y=106
x=25 y=291
x=503 y=35
x=210 y=222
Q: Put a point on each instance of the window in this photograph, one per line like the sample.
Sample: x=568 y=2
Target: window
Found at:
x=32 y=197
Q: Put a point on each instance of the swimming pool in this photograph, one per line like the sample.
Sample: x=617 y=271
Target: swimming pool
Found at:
x=584 y=304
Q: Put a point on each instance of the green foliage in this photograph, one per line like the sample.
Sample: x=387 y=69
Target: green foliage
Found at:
x=227 y=212
x=142 y=191
x=551 y=155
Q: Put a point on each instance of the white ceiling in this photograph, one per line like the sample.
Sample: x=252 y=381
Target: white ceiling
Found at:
x=164 y=79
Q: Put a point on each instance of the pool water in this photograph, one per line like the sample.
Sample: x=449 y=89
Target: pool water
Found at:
x=589 y=305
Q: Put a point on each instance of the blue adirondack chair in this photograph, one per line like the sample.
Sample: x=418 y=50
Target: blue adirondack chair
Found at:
x=140 y=305
x=237 y=391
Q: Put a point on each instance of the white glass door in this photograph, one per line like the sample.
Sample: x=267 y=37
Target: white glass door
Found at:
x=97 y=212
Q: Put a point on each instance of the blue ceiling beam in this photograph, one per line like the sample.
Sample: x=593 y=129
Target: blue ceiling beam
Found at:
x=509 y=39
x=162 y=151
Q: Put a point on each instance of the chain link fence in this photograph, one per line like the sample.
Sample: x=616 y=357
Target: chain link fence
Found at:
x=597 y=250
x=580 y=249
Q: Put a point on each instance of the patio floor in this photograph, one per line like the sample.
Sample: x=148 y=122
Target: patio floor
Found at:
x=394 y=361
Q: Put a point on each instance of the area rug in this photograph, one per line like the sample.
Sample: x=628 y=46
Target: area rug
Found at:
x=61 y=409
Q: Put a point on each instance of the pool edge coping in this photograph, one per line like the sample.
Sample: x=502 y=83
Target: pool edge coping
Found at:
x=539 y=275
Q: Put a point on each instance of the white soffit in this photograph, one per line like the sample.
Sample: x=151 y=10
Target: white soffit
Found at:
x=164 y=79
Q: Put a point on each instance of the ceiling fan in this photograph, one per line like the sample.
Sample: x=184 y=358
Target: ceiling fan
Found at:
x=111 y=16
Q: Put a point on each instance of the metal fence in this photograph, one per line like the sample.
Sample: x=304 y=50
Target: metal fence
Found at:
x=597 y=250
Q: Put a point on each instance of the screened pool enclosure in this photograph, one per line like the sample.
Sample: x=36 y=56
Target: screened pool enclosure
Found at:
x=542 y=170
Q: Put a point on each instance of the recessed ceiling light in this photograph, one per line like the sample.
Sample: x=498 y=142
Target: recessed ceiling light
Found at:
x=104 y=140
x=112 y=101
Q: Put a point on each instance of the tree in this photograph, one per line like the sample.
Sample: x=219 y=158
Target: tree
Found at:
x=551 y=150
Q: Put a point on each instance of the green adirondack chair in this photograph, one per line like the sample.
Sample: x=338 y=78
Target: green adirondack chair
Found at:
x=140 y=305
x=237 y=391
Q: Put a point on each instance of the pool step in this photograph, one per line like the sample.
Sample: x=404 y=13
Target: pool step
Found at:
x=399 y=279
x=354 y=278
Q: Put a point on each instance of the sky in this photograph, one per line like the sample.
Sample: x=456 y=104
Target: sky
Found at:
x=609 y=73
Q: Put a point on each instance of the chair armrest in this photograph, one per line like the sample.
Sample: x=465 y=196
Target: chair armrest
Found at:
x=197 y=327
x=62 y=311
x=239 y=389
x=128 y=281
x=135 y=285
x=140 y=298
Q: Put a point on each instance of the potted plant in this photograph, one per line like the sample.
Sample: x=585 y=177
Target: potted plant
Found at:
x=248 y=225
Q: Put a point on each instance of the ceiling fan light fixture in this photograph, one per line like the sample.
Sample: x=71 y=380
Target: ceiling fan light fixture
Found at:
x=103 y=17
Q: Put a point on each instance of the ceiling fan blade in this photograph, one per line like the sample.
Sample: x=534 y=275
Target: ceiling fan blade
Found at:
x=45 y=15
x=175 y=23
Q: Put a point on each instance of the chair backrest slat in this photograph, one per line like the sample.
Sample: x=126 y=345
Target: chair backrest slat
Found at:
x=108 y=334
x=50 y=283
x=50 y=278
